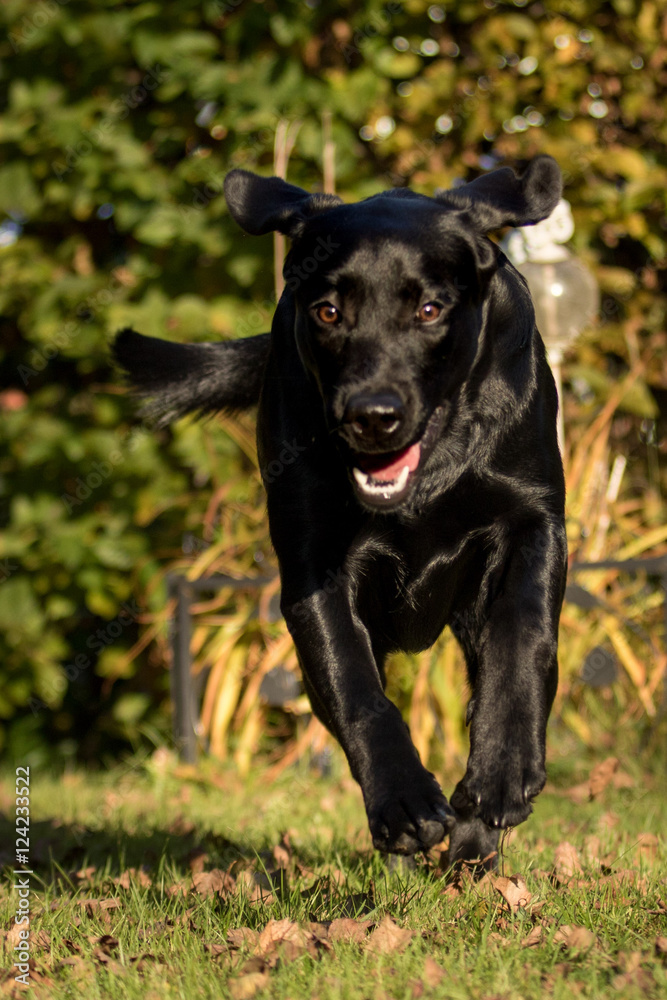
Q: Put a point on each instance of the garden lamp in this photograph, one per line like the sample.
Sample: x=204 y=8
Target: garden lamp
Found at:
x=564 y=292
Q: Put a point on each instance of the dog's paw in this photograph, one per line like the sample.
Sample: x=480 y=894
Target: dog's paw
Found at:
x=473 y=842
x=409 y=816
x=501 y=794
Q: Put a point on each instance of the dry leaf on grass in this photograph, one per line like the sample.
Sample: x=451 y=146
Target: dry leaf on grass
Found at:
x=133 y=876
x=534 y=937
x=389 y=937
x=12 y=937
x=100 y=907
x=216 y=949
x=278 y=931
x=84 y=875
x=514 y=891
x=566 y=862
x=215 y=882
x=254 y=977
x=348 y=930
x=593 y=849
x=242 y=937
x=601 y=776
x=647 y=848
x=577 y=793
x=282 y=852
x=608 y=820
x=177 y=889
x=575 y=937
x=197 y=859
x=629 y=961
x=623 y=878
x=260 y=886
x=640 y=979
x=433 y=973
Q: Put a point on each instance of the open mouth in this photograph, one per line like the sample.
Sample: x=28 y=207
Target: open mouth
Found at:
x=384 y=480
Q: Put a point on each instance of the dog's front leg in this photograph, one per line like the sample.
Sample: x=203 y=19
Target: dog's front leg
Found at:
x=515 y=681
x=407 y=811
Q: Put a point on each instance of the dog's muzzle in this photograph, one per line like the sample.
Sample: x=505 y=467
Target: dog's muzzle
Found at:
x=382 y=473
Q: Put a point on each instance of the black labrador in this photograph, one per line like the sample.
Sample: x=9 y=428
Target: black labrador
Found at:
x=407 y=438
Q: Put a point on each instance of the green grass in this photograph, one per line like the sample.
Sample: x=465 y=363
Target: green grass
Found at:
x=159 y=937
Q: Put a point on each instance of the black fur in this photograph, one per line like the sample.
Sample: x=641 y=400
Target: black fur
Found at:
x=404 y=340
x=186 y=378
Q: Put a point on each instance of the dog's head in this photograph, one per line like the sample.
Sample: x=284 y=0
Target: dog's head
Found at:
x=389 y=301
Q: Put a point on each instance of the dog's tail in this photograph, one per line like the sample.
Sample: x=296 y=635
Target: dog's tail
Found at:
x=176 y=379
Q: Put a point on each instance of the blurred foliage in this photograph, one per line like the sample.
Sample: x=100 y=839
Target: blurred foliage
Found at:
x=120 y=120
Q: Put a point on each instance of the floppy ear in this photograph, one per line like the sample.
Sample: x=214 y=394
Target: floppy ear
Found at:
x=503 y=198
x=263 y=204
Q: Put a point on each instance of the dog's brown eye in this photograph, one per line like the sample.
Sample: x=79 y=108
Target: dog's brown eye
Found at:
x=328 y=313
x=429 y=311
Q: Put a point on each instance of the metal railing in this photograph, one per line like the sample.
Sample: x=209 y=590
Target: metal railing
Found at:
x=186 y=690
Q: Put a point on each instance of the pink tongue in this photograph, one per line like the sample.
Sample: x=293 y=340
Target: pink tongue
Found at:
x=385 y=473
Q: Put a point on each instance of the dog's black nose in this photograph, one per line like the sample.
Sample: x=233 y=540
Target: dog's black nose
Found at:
x=375 y=418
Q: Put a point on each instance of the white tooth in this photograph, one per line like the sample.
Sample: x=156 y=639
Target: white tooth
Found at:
x=386 y=490
x=361 y=477
x=403 y=477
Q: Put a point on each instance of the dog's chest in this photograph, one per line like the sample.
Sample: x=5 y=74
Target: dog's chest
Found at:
x=412 y=594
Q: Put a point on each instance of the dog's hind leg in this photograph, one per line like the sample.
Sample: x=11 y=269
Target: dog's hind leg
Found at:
x=516 y=680
x=186 y=378
x=470 y=839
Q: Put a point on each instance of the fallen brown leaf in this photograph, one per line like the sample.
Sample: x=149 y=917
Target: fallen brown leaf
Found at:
x=566 y=861
x=216 y=949
x=13 y=936
x=240 y=937
x=533 y=938
x=96 y=905
x=253 y=978
x=640 y=979
x=197 y=859
x=177 y=889
x=258 y=886
x=433 y=973
x=282 y=852
x=623 y=780
x=279 y=931
x=593 y=848
x=347 y=929
x=608 y=820
x=133 y=876
x=647 y=848
x=579 y=793
x=85 y=874
x=576 y=938
x=601 y=776
x=628 y=961
x=514 y=891
x=389 y=937
x=623 y=878
x=415 y=989
x=215 y=882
